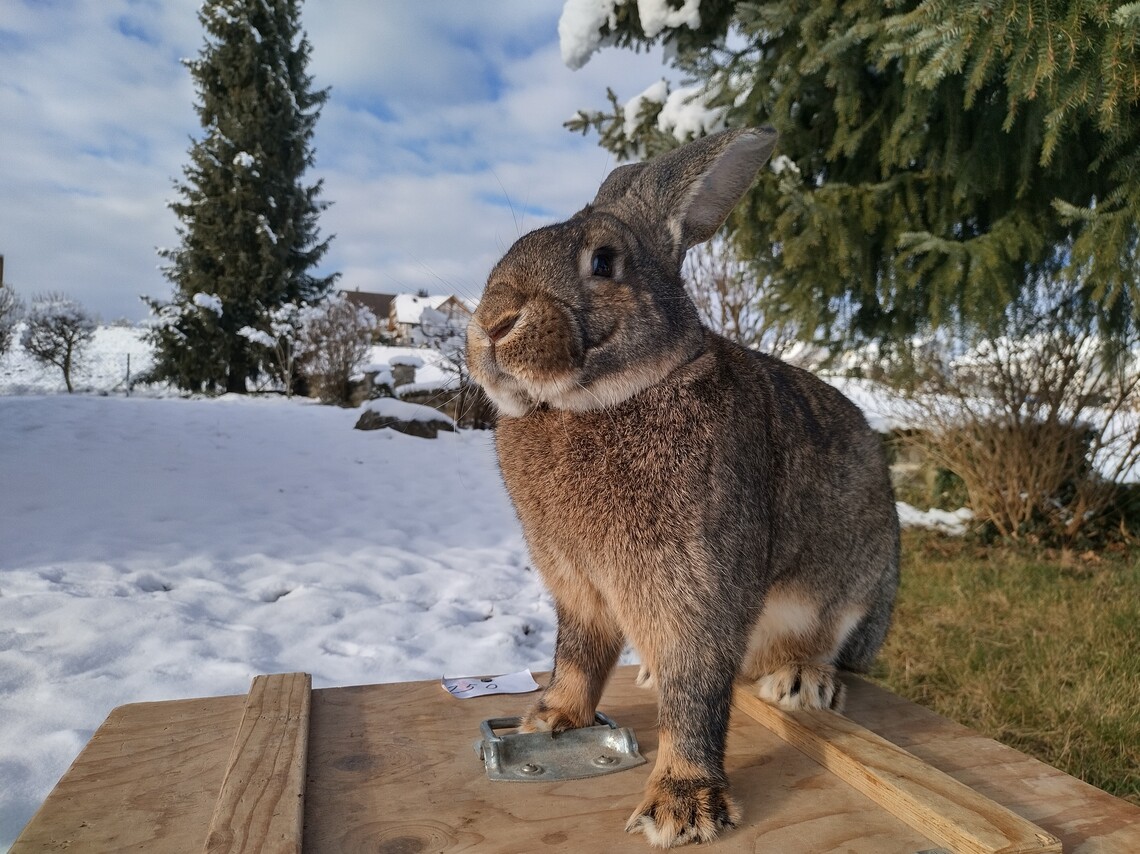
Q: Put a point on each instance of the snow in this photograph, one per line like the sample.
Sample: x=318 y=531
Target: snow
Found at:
x=423 y=387
x=208 y=302
x=389 y=407
x=409 y=307
x=408 y=360
x=687 y=115
x=101 y=367
x=684 y=112
x=176 y=548
x=579 y=28
x=954 y=523
x=659 y=15
x=781 y=163
x=257 y=336
x=431 y=367
x=581 y=22
x=244 y=159
x=162 y=548
x=656 y=93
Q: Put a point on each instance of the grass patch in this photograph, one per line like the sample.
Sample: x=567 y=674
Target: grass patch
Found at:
x=1039 y=650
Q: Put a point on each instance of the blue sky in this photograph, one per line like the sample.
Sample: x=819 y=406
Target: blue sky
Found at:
x=441 y=143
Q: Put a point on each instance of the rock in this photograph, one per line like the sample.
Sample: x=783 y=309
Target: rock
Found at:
x=409 y=418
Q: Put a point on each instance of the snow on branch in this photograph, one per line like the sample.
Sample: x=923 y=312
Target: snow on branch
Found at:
x=586 y=25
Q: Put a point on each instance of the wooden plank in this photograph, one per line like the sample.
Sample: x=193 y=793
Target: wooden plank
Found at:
x=261 y=803
x=146 y=781
x=930 y=801
x=1085 y=819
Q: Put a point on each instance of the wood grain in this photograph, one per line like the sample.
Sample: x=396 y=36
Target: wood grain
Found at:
x=146 y=781
x=937 y=805
x=261 y=803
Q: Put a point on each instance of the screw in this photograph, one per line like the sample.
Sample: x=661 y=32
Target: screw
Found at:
x=604 y=760
x=531 y=769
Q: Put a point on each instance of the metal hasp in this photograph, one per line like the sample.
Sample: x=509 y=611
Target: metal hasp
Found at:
x=571 y=755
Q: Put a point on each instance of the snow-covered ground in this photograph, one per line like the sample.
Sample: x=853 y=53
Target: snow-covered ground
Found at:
x=169 y=548
x=153 y=547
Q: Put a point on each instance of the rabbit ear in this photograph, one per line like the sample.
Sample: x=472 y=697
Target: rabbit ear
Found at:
x=692 y=189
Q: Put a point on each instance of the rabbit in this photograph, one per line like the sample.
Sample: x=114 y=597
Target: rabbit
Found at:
x=728 y=515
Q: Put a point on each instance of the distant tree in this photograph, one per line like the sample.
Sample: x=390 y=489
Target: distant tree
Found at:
x=55 y=331
x=935 y=159
x=10 y=308
x=335 y=338
x=249 y=234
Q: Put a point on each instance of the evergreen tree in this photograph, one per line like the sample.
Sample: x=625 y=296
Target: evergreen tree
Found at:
x=249 y=235
x=936 y=160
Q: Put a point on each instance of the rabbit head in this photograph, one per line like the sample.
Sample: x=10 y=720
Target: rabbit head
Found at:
x=586 y=313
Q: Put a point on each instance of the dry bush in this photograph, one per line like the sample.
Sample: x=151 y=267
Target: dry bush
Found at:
x=1041 y=422
x=732 y=302
x=334 y=341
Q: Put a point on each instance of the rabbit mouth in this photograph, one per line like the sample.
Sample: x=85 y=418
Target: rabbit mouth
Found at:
x=526 y=358
x=582 y=386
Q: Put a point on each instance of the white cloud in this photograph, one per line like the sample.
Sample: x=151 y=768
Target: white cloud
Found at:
x=442 y=117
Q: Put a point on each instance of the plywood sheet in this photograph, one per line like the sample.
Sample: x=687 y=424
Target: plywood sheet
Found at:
x=146 y=781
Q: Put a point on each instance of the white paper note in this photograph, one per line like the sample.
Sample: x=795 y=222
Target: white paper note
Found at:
x=465 y=687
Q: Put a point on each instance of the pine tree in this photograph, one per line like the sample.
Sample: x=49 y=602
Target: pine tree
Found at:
x=937 y=159
x=249 y=235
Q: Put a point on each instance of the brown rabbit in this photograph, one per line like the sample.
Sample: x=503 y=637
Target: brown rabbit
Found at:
x=727 y=514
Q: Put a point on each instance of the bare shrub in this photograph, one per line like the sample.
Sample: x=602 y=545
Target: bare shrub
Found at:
x=280 y=341
x=467 y=403
x=1041 y=421
x=334 y=342
x=732 y=302
x=56 y=330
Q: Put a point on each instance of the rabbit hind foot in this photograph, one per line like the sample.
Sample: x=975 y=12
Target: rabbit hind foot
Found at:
x=802 y=686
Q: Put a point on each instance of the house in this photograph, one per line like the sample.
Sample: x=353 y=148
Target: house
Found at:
x=406 y=317
x=379 y=304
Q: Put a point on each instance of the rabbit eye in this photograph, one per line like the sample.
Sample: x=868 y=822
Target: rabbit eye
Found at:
x=602 y=264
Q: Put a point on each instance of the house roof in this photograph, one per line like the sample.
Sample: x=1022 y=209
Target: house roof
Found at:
x=378 y=304
x=409 y=307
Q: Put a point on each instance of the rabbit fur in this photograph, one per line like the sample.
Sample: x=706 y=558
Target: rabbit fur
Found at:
x=727 y=514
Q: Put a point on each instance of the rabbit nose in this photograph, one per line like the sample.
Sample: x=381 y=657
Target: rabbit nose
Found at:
x=498 y=330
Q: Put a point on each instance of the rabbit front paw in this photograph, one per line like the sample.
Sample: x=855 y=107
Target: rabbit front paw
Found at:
x=544 y=719
x=678 y=811
x=803 y=686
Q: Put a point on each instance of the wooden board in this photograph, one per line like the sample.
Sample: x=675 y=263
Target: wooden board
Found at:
x=261 y=803
x=391 y=769
x=146 y=781
x=928 y=800
x=1085 y=819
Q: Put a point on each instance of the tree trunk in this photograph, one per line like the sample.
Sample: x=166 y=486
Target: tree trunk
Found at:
x=235 y=379
x=67 y=369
